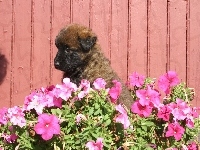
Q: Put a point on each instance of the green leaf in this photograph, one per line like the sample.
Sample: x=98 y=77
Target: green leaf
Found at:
x=108 y=122
x=148 y=123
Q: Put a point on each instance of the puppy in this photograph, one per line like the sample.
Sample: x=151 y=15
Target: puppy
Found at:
x=79 y=56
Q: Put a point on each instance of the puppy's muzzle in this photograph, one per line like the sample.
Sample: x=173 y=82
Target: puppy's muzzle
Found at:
x=56 y=64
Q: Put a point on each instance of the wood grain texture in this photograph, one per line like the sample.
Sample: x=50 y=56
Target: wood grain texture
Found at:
x=177 y=38
x=119 y=36
x=80 y=12
x=157 y=32
x=5 y=52
x=193 y=48
x=22 y=42
x=40 y=61
x=137 y=47
x=100 y=22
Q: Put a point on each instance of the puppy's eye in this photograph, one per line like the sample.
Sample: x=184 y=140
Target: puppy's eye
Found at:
x=67 y=50
x=62 y=46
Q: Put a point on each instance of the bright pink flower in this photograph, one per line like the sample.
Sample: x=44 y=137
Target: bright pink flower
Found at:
x=180 y=109
x=141 y=110
x=46 y=96
x=167 y=81
x=190 y=122
x=136 y=80
x=148 y=96
x=10 y=138
x=49 y=97
x=42 y=98
x=164 y=112
x=3 y=116
x=36 y=104
x=191 y=116
x=98 y=145
x=115 y=91
x=16 y=116
x=65 y=90
x=174 y=129
x=57 y=102
x=84 y=87
x=194 y=112
x=122 y=117
x=192 y=146
x=47 y=126
x=99 y=84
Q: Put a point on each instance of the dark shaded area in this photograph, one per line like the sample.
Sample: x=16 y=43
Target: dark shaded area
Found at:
x=3 y=67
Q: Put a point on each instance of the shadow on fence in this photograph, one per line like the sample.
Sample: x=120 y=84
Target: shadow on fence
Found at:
x=3 y=67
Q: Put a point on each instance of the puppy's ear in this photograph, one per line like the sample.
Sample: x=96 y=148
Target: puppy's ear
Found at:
x=87 y=43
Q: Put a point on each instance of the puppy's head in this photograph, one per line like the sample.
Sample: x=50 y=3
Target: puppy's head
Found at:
x=74 y=44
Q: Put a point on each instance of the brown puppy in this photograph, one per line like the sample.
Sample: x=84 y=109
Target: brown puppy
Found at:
x=80 y=57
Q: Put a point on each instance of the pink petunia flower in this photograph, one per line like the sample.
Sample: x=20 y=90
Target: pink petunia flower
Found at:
x=65 y=90
x=115 y=91
x=141 y=110
x=47 y=126
x=136 y=79
x=57 y=102
x=190 y=117
x=99 y=84
x=147 y=96
x=16 y=116
x=49 y=97
x=98 y=145
x=36 y=104
x=174 y=129
x=192 y=146
x=167 y=81
x=122 y=117
x=3 y=116
x=85 y=88
x=180 y=109
x=194 y=112
x=164 y=112
x=10 y=138
x=42 y=98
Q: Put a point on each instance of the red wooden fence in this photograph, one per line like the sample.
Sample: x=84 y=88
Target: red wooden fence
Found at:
x=147 y=36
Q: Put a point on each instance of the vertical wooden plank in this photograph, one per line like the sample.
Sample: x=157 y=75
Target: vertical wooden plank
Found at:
x=100 y=22
x=60 y=17
x=80 y=12
x=177 y=35
x=137 y=54
x=41 y=43
x=157 y=34
x=119 y=36
x=21 y=51
x=193 y=45
x=5 y=52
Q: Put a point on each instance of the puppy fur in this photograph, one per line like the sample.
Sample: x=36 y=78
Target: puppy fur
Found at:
x=79 y=56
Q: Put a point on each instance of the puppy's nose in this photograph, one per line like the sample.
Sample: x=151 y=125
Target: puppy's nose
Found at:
x=56 y=64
